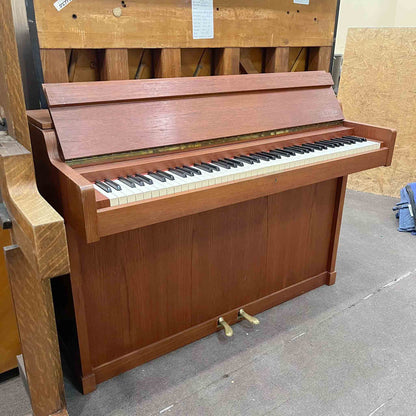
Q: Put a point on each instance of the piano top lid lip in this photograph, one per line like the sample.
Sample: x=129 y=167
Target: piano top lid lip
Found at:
x=110 y=119
x=83 y=93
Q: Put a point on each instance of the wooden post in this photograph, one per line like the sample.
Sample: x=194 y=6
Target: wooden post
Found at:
x=33 y=304
x=277 y=60
x=37 y=229
x=227 y=61
x=167 y=63
x=11 y=90
x=320 y=58
x=114 y=64
x=54 y=65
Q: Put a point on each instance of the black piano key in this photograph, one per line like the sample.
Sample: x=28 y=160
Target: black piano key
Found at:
x=114 y=185
x=310 y=148
x=294 y=149
x=304 y=148
x=191 y=169
x=275 y=155
x=156 y=176
x=240 y=159
x=286 y=151
x=340 y=142
x=282 y=152
x=136 y=180
x=327 y=143
x=166 y=175
x=232 y=163
x=178 y=172
x=360 y=139
x=127 y=182
x=143 y=178
x=353 y=139
x=186 y=172
x=345 y=140
x=103 y=186
x=211 y=166
x=203 y=167
x=261 y=157
x=316 y=146
x=269 y=155
x=237 y=162
x=336 y=142
x=249 y=158
x=254 y=157
x=221 y=164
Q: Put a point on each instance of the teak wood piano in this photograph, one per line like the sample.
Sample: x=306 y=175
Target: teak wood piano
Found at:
x=188 y=199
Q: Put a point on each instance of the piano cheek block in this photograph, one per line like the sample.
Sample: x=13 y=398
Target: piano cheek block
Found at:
x=169 y=261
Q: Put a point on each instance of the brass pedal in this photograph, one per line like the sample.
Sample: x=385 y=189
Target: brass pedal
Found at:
x=227 y=328
x=243 y=314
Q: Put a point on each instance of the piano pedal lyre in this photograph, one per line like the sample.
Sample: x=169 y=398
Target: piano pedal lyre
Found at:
x=227 y=328
x=252 y=319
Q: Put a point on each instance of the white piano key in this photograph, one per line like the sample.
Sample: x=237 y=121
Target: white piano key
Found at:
x=110 y=195
x=223 y=175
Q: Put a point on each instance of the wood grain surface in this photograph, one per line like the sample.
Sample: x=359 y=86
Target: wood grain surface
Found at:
x=377 y=86
x=37 y=228
x=174 y=119
x=162 y=280
x=236 y=23
x=12 y=103
x=33 y=304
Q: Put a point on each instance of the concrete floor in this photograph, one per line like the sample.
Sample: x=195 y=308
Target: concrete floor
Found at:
x=348 y=349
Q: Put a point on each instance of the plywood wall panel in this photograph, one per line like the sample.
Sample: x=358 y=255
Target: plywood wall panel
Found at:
x=378 y=87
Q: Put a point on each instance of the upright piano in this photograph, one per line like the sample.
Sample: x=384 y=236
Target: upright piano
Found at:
x=191 y=204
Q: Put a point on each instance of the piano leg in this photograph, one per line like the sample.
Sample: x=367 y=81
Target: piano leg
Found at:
x=340 y=197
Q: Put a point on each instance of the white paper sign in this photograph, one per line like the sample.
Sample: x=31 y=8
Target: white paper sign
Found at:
x=203 y=19
x=60 y=4
x=301 y=1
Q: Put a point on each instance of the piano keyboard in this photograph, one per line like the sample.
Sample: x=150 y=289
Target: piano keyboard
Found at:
x=138 y=187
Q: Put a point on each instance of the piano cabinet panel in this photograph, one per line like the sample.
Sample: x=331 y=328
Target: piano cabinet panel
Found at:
x=136 y=289
x=299 y=234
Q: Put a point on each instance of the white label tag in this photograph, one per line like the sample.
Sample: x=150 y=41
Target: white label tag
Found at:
x=411 y=210
x=203 y=19
x=301 y=2
x=60 y=4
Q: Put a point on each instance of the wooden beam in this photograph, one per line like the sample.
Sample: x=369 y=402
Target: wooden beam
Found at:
x=168 y=24
x=277 y=60
x=54 y=65
x=33 y=304
x=227 y=61
x=246 y=62
x=167 y=63
x=114 y=64
x=319 y=58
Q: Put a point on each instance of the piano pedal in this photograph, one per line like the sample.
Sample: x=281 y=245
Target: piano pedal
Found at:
x=243 y=314
x=227 y=328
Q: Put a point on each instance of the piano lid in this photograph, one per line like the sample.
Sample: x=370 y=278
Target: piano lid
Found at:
x=100 y=118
